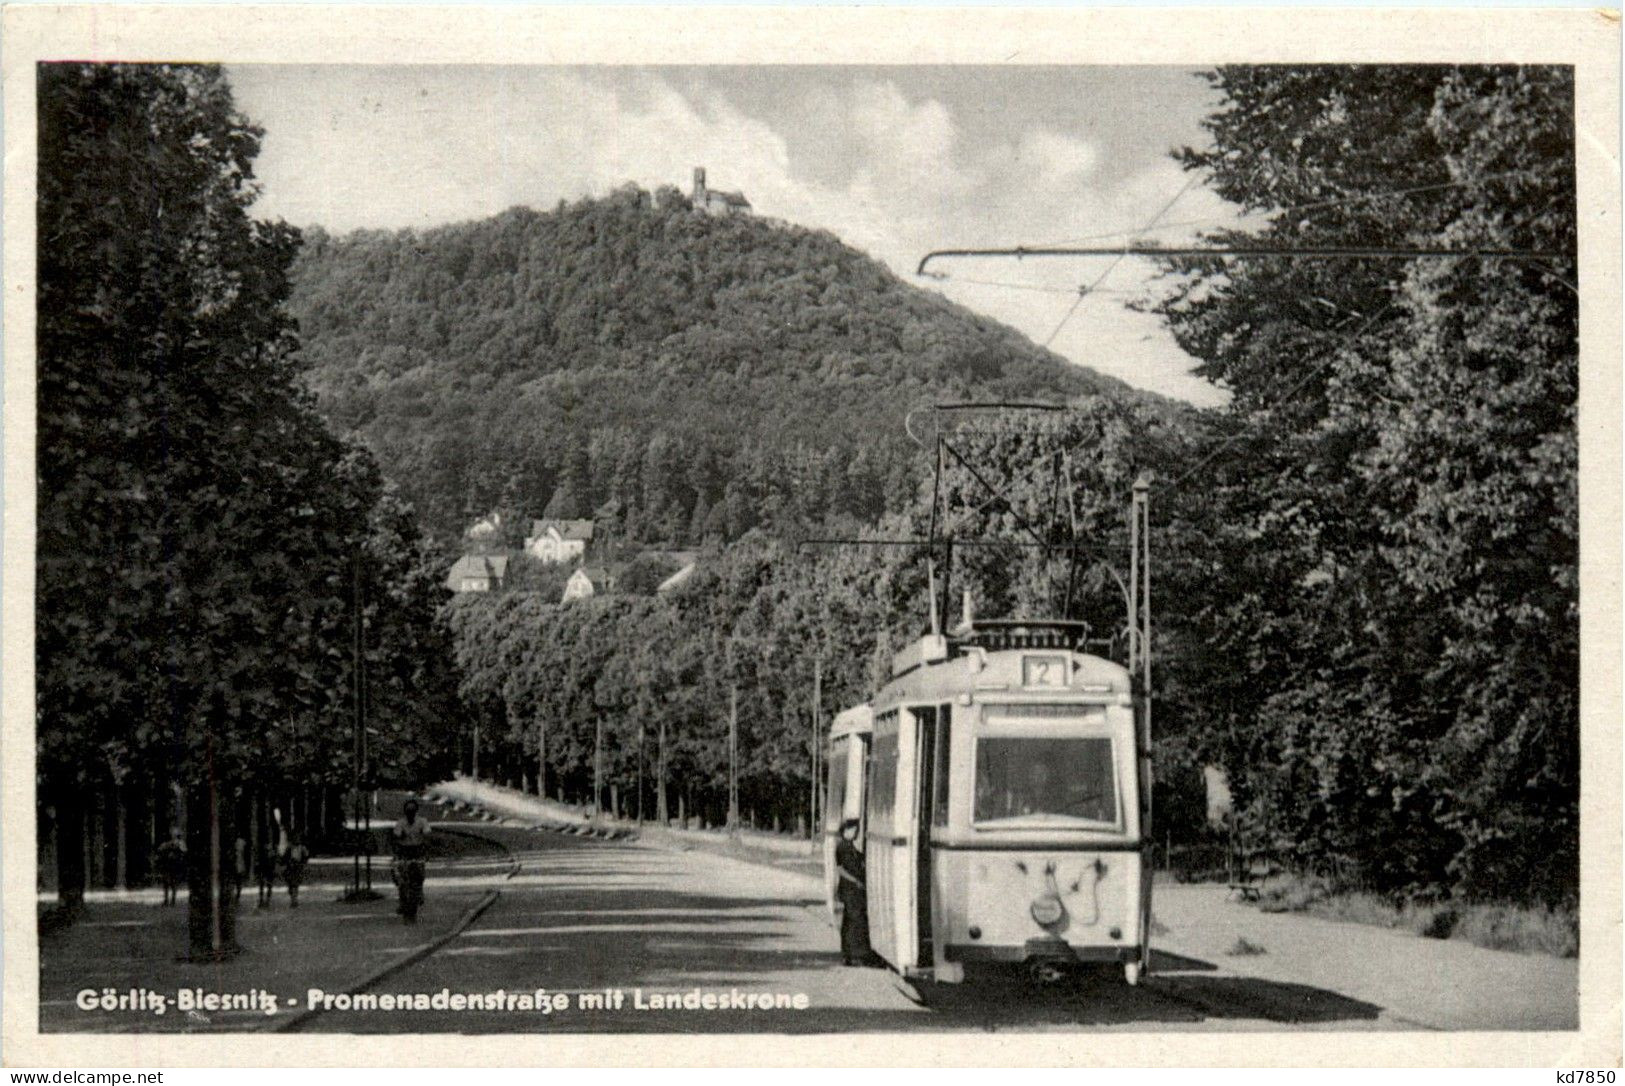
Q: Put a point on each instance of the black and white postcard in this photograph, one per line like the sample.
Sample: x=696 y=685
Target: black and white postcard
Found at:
x=818 y=535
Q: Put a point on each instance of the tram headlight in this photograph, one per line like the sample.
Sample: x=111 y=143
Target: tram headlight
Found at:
x=1048 y=910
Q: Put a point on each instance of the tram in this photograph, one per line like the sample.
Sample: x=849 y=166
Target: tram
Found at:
x=1004 y=800
x=1001 y=804
x=846 y=759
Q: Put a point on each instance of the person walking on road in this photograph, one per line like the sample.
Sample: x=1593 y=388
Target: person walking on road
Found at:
x=409 y=840
x=172 y=865
x=293 y=867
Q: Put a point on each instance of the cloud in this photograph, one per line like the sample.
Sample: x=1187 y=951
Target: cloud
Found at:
x=892 y=173
x=1053 y=159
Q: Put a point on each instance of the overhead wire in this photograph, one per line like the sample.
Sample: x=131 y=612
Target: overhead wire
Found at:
x=1297 y=386
x=1019 y=286
x=1084 y=292
x=1318 y=205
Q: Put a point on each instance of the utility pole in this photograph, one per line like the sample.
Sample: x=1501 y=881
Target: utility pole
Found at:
x=598 y=767
x=476 y=764
x=640 y=774
x=366 y=761
x=1140 y=629
x=541 y=756
x=358 y=751
x=660 y=758
x=733 y=759
x=817 y=692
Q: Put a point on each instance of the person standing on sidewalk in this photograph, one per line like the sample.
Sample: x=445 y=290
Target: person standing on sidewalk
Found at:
x=853 y=896
x=172 y=865
x=239 y=868
x=293 y=866
x=265 y=871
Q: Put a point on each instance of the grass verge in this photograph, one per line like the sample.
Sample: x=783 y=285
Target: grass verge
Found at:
x=1521 y=928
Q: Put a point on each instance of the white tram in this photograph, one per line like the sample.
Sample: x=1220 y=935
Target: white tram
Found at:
x=847 y=756
x=1001 y=802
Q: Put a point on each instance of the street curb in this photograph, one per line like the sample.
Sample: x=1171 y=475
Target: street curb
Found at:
x=513 y=857
x=548 y=824
x=471 y=914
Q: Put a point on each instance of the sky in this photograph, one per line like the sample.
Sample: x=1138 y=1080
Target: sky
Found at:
x=896 y=161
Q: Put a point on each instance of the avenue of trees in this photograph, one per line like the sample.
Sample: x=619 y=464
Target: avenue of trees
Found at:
x=202 y=536
x=1366 y=580
x=1366 y=564
x=618 y=687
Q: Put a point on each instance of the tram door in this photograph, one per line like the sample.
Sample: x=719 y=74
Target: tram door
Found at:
x=892 y=834
x=924 y=792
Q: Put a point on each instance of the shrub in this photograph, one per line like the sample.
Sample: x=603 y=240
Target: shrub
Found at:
x=1524 y=929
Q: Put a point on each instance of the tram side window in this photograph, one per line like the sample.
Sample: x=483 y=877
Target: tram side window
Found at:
x=884 y=780
x=835 y=801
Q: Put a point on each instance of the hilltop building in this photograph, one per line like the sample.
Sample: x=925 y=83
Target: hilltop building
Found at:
x=714 y=201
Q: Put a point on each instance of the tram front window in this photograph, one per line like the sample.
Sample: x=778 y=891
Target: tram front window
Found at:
x=1060 y=780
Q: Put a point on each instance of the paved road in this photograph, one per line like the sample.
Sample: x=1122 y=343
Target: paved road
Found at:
x=586 y=916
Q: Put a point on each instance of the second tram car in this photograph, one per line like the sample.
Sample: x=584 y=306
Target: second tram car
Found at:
x=847 y=757
x=1001 y=800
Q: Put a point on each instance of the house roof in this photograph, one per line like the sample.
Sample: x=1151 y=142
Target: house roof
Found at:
x=477 y=565
x=680 y=558
x=567 y=529
x=676 y=580
x=598 y=575
x=486 y=526
x=732 y=199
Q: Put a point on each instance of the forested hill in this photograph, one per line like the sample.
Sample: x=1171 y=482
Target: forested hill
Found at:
x=694 y=373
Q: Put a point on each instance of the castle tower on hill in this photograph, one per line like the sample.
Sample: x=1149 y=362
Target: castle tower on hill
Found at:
x=714 y=201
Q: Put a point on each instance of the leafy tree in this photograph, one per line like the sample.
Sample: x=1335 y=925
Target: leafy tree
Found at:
x=1386 y=517
x=637 y=350
x=198 y=525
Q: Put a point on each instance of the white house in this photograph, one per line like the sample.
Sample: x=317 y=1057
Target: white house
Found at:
x=487 y=528
x=478 y=573
x=558 y=541
x=586 y=581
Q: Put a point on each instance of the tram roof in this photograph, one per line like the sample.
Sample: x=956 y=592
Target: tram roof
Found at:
x=936 y=667
x=860 y=719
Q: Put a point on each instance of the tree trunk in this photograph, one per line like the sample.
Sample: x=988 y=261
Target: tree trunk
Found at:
x=94 y=845
x=70 y=843
x=541 y=757
x=121 y=865
x=598 y=767
x=660 y=803
x=210 y=913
